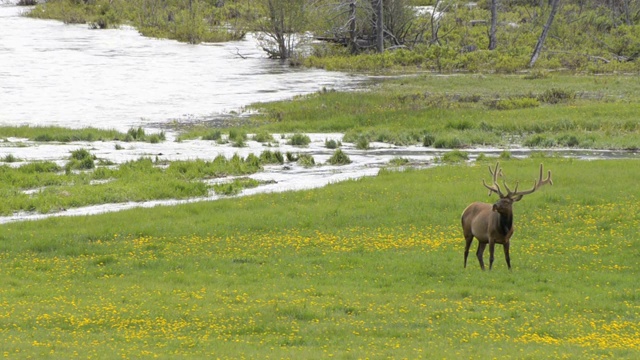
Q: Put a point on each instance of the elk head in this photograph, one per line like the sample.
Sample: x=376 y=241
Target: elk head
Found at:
x=493 y=223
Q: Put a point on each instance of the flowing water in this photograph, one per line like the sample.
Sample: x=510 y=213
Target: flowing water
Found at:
x=71 y=76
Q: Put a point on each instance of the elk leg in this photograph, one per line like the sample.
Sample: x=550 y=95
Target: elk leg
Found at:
x=468 y=240
x=506 y=255
x=480 y=252
x=492 y=247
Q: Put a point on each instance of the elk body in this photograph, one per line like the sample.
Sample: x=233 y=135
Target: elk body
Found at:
x=493 y=223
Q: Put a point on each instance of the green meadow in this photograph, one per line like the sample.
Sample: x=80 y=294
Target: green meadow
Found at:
x=368 y=268
x=537 y=110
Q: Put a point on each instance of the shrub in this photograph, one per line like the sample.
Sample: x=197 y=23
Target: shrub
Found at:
x=135 y=134
x=554 y=96
x=539 y=141
x=291 y=157
x=505 y=155
x=428 y=140
x=80 y=159
x=10 y=158
x=306 y=160
x=448 y=142
x=569 y=141
x=455 y=156
x=332 y=144
x=362 y=143
x=339 y=158
x=236 y=135
x=460 y=125
x=239 y=142
x=398 y=161
x=513 y=103
x=234 y=187
x=263 y=137
x=214 y=135
x=253 y=160
x=269 y=157
x=299 y=140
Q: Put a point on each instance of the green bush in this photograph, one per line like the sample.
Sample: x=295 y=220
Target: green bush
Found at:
x=539 y=141
x=339 y=158
x=448 y=142
x=299 y=140
x=332 y=144
x=362 y=143
x=237 y=135
x=263 y=137
x=271 y=157
x=428 y=140
x=455 y=156
x=213 y=135
x=398 y=161
x=306 y=160
x=513 y=103
x=80 y=159
x=10 y=158
x=555 y=96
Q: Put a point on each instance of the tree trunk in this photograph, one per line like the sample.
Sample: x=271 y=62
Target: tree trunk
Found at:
x=353 y=46
x=379 y=26
x=494 y=22
x=545 y=31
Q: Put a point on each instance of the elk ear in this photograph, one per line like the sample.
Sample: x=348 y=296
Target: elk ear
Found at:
x=495 y=207
x=517 y=198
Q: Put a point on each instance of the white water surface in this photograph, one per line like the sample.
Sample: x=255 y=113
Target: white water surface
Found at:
x=71 y=76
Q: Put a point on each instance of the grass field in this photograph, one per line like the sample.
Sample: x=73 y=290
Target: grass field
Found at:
x=459 y=111
x=361 y=269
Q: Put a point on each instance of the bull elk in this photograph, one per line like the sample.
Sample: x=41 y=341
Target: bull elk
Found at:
x=493 y=223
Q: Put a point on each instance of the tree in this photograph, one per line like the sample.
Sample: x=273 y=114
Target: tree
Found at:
x=378 y=20
x=543 y=36
x=283 y=22
x=494 y=22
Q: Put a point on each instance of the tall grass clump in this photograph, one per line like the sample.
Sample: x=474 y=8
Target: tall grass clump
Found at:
x=271 y=157
x=339 y=158
x=362 y=143
x=235 y=186
x=238 y=137
x=214 y=135
x=332 y=144
x=306 y=160
x=263 y=137
x=455 y=156
x=10 y=158
x=555 y=96
x=80 y=159
x=299 y=140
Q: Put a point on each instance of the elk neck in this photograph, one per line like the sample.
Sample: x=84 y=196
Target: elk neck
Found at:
x=506 y=222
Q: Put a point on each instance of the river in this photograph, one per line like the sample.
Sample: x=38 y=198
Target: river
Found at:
x=71 y=76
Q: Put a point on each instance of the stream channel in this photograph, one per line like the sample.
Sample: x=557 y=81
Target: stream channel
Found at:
x=52 y=74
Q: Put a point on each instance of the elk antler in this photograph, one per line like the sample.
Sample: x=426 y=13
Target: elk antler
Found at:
x=515 y=195
x=494 y=174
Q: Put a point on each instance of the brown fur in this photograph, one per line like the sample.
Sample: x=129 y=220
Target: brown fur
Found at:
x=490 y=224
